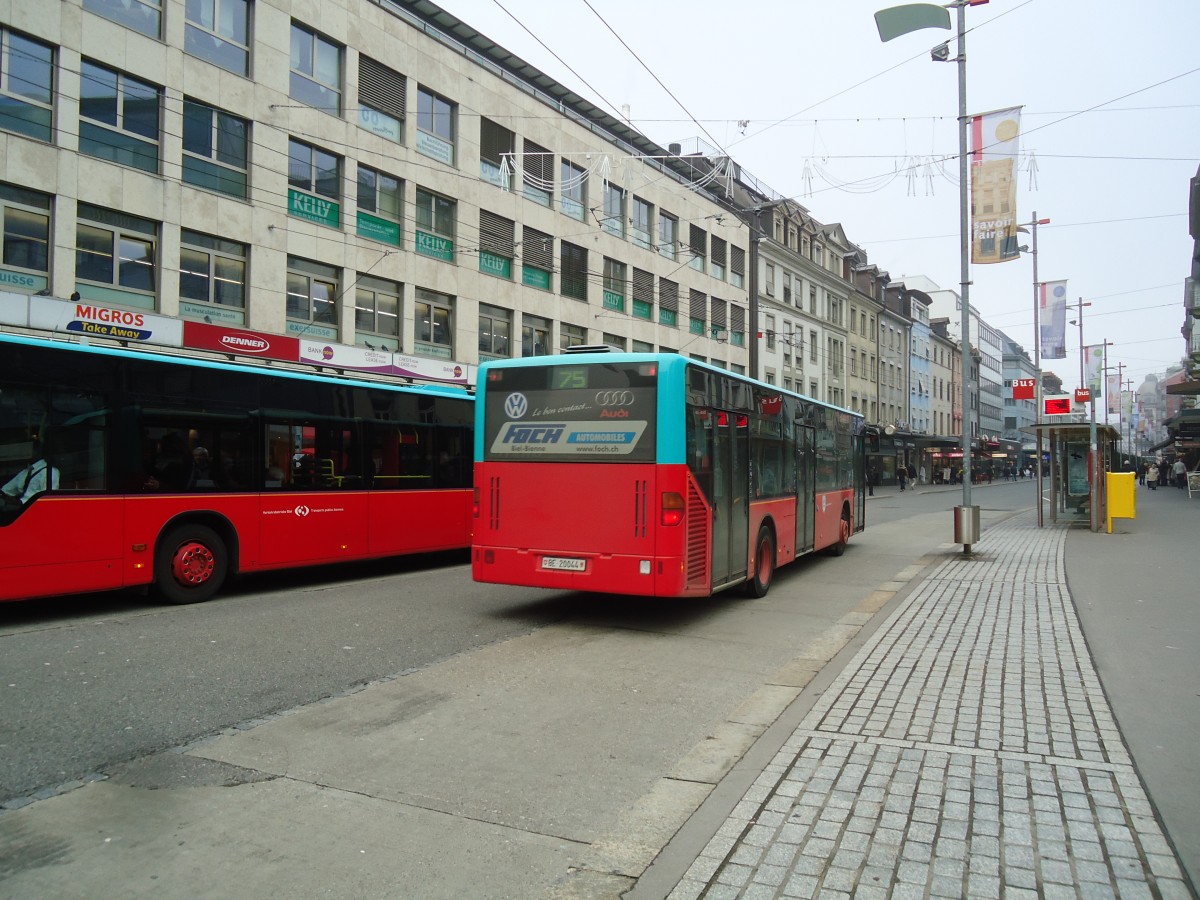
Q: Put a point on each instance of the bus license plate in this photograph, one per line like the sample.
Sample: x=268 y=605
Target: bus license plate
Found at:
x=564 y=564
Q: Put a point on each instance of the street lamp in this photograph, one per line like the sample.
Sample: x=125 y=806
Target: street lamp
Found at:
x=892 y=23
x=1079 y=306
x=1037 y=357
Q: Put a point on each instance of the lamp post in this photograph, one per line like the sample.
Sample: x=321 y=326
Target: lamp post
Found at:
x=1037 y=358
x=1079 y=306
x=893 y=22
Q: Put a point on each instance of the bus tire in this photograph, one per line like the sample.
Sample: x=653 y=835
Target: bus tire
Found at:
x=839 y=547
x=190 y=564
x=764 y=563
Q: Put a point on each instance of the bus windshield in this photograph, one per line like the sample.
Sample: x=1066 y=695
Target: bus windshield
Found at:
x=569 y=412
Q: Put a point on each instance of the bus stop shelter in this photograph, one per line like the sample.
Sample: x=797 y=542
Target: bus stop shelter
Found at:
x=1077 y=491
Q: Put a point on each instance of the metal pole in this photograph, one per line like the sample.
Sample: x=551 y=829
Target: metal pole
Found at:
x=1095 y=467
x=1104 y=385
x=1037 y=365
x=964 y=248
x=1082 y=382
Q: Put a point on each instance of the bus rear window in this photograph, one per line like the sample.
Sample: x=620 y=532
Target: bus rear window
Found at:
x=571 y=413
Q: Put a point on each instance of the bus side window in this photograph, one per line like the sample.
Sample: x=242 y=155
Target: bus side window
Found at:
x=78 y=444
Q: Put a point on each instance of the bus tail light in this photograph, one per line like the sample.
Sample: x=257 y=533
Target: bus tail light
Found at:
x=672 y=508
x=475 y=504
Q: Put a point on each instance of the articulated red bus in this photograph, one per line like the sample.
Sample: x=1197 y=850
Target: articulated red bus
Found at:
x=129 y=467
x=655 y=475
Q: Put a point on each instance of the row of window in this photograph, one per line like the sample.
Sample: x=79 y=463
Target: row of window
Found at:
x=833 y=307
x=117 y=261
x=119 y=121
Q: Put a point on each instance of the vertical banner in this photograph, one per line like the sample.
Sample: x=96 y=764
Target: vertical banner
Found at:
x=1052 y=321
x=1093 y=356
x=1112 y=389
x=994 y=143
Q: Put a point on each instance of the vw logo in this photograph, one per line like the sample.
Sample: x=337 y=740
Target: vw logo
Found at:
x=301 y=511
x=515 y=406
x=614 y=398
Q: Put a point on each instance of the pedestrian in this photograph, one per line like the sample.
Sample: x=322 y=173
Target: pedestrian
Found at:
x=871 y=482
x=1152 y=476
x=1142 y=473
x=912 y=474
x=922 y=474
x=902 y=475
x=1180 y=470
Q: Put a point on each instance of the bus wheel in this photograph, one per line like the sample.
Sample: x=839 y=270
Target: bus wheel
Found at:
x=190 y=565
x=764 y=563
x=843 y=537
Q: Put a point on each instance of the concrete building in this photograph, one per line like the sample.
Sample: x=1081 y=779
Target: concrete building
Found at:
x=863 y=335
x=367 y=174
x=1018 y=413
x=945 y=394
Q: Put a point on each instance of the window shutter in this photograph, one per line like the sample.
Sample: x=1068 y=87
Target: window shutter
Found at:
x=668 y=295
x=573 y=281
x=738 y=260
x=718 y=251
x=698 y=241
x=496 y=234
x=718 y=313
x=537 y=248
x=738 y=323
x=494 y=141
x=538 y=166
x=698 y=305
x=643 y=286
x=380 y=87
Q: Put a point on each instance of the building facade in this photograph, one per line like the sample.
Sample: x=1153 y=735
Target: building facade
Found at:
x=1018 y=414
x=367 y=174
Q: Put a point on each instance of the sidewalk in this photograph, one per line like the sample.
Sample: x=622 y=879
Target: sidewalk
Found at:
x=967 y=750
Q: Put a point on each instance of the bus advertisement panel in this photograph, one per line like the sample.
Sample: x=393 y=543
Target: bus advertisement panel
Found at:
x=654 y=475
x=122 y=468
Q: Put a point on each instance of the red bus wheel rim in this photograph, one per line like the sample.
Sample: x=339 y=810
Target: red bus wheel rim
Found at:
x=764 y=561
x=845 y=530
x=193 y=564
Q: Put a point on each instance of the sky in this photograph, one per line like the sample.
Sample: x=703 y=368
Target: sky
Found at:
x=804 y=96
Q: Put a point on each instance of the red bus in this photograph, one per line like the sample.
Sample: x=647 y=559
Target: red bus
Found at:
x=655 y=475
x=124 y=467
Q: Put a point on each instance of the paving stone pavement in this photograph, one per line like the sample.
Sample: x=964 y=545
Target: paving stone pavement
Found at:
x=968 y=750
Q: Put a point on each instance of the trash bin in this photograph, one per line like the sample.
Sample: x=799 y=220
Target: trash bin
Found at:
x=1122 y=496
x=966 y=524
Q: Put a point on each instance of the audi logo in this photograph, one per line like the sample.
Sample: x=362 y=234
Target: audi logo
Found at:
x=614 y=398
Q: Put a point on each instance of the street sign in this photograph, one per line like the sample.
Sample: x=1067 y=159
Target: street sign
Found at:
x=1023 y=388
x=1082 y=395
